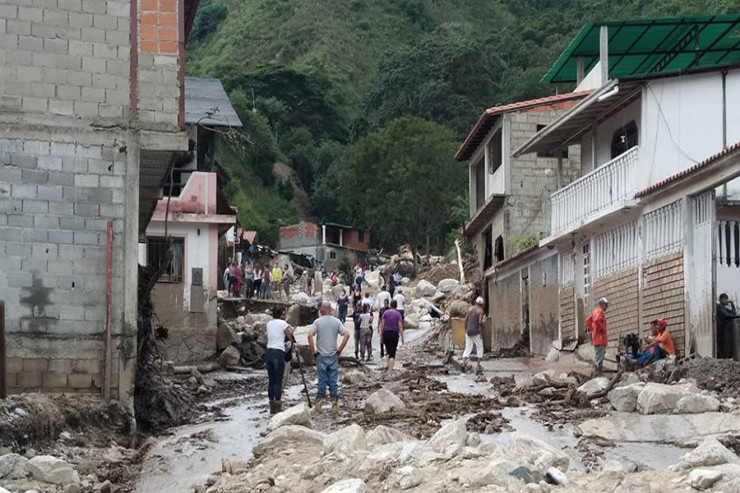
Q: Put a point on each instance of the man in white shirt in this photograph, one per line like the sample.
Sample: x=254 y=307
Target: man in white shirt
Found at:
x=278 y=332
x=399 y=299
x=381 y=297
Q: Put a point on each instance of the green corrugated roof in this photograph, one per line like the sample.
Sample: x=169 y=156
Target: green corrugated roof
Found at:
x=652 y=46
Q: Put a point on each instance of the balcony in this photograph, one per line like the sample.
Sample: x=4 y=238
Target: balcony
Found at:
x=604 y=190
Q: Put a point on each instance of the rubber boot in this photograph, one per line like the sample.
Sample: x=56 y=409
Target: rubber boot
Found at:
x=335 y=406
x=278 y=407
x=318 y=405
x=272 y=406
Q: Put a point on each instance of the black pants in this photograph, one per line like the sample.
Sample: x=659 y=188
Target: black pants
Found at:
x=390 y=339
x=275 y=362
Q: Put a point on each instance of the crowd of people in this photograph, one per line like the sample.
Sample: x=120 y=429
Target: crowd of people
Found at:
x=257 y=280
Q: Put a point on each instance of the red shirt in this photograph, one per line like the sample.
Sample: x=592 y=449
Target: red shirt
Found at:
x=596 y=324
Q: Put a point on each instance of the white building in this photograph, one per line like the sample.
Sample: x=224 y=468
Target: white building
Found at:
x=652 y=223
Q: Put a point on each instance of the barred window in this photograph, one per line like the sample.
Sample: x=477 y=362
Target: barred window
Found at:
x=156 y=248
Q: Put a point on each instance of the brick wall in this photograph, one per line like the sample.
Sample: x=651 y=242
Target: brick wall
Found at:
x=299 y=235
x=567 y=312
x=55 y=200
x=663 y=295
x=351 y=239
x=621 y=290
x=65 y=57
x=160 y=89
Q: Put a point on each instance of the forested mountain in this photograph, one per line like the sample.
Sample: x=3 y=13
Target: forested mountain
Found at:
x=367 y=100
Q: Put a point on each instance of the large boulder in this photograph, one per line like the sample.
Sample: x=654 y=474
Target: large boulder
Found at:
x=372 y=279
x=296 y=415
x=13 y=466
x=289 y=436
x=625 y=398
x=702 y=479
x=411 y=321
x=225 y=336
x=293 y=316
x=594 y=386
x=697 y=403
x=425 y=288
x=229 y=357
x=409 y=477
x=352 y=485
x=529 y=449
x=657 y=398
x=458 y=308
x=451 y=438
x=448 y=286
x=49 y=469
x=383 y=435
x=383 y=401
x=709 y=453
x=346 y=440
x=302 y=298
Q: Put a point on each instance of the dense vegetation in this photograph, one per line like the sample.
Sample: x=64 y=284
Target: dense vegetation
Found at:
x=367 y=100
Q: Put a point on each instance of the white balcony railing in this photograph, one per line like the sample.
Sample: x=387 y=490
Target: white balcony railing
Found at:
x=603 y=189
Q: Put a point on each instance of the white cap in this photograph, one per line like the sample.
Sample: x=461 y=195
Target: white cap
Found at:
x=479 y=301
x=603 y=300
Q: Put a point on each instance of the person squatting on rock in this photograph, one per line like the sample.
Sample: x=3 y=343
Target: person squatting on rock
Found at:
x=391 y=329
x=474 y=331
x=366 y=333
x=278 y=332
x=596 y=324
x=660 y=345
x=322 y=342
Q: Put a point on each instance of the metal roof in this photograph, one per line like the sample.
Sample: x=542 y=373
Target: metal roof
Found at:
x=591 y=111
x=650 y=46
x=488 y=118
x=206 y=103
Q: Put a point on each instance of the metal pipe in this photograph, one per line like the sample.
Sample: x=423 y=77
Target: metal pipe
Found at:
x=108 y=308
x=3 y=368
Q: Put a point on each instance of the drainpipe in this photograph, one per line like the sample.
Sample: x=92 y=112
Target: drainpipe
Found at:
x=108 y=308
x=724 y=123
x=3 y=382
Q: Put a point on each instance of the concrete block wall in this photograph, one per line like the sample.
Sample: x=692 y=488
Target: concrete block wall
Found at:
x=663 y=296
x=57 y=194
x=300 y=235
x=533 y=179
x=65 y=57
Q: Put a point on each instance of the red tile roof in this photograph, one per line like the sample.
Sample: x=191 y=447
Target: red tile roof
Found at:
x=695 y=169
x=486 y=120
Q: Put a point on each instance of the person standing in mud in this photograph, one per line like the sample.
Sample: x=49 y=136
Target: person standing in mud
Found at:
x=343 y=305
x=278 y=332
x=366 y=333
x=596 y=324
x=386 y=306
x=391 y=330
x=474 y=330
x=322 y=342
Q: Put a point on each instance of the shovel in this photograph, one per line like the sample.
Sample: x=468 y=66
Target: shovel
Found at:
x=303 y=376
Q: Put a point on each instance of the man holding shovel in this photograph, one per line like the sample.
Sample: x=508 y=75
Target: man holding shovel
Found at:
x=325 y=331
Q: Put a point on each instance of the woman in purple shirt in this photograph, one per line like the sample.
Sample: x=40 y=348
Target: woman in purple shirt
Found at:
x=391 y=329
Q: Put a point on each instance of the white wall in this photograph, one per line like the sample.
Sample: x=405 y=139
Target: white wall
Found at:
x=197 y=253
x=682 y=124
x=732 y=84
x=605 y=131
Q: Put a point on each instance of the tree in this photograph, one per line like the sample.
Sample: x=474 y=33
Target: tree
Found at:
x=401 y=183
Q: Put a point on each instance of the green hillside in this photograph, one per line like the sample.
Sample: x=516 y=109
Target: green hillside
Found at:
x=314 y=80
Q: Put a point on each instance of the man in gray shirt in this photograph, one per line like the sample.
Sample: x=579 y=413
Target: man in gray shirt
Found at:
x=325 y=331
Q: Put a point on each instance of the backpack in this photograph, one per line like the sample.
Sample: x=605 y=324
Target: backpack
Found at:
x=632 y=344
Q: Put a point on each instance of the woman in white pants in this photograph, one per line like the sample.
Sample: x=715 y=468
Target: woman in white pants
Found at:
x=474 y=330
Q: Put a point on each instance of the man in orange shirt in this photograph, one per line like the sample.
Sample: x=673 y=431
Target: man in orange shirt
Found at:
x=660 y=345
x=596 y=324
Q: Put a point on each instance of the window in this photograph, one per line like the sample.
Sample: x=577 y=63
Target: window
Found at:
x=624 y=139
x=333 y=255
x=480 y=185
x=156 y=247
x=495 y=152
x=498 y=250
x=586 y=268
x=361 y=236
x=488 y=249
x=551 y=152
